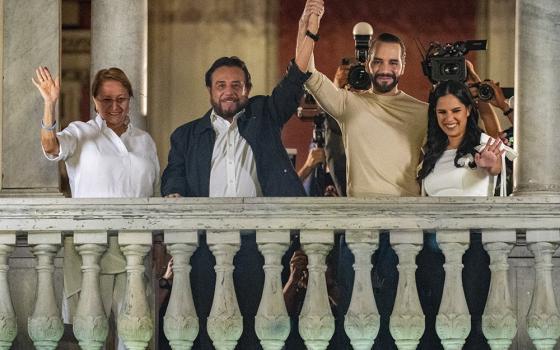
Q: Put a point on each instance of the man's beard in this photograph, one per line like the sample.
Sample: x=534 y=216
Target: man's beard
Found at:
x=383 y=88
x=240 y=104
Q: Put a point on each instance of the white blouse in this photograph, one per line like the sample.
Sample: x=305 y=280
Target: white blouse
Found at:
x=103 y=165
x=448 y=180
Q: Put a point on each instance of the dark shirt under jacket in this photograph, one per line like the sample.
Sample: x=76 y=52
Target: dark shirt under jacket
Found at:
x=190 y=157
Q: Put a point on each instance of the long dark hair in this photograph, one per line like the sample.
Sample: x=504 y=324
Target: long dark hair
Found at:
x=437 y=139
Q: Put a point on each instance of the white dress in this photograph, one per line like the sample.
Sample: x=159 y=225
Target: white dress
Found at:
x=448 y=180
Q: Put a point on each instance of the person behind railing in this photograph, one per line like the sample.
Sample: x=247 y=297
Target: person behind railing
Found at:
x=236 y=150
x=315 y=157
x=106 y=157
x=294 y=294
x=165 y=283
x=460 y=160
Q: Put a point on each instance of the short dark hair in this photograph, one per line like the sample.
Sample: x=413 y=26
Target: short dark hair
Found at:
x=388 y=38
x=232 y=61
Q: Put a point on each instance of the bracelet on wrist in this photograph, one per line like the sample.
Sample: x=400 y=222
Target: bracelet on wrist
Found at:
x=49 y=128
x=314 y=37
x=508 y=112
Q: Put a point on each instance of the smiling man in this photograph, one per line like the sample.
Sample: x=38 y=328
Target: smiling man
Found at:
x=235 y=149
x=383 y=129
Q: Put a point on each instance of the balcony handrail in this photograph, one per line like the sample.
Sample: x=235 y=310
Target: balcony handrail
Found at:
x=403 y=213
x=65 y=214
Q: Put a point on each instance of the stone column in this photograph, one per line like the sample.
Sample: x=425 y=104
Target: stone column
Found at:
x=407 y=322
x=134 y=323
x=8 y=325
x=272 y=323
x=31 y=37
x=181 y=322
x=45 y=324
x=90 y=322
x=453 y=321
x=316 y=321
x=362 y=319
x=119 y=38
x=537 y=169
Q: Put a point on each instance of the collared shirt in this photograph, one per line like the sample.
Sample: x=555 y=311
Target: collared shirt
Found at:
x=233 y=172
x=102 y=164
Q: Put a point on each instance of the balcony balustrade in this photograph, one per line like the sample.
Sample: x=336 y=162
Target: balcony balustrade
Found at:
x=528 y=226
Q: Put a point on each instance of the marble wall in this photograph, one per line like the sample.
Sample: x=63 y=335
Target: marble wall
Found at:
x=31 y=37
x=185 y=37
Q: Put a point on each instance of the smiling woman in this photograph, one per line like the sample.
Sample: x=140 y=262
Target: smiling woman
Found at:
x=107 y=156
x=459 y=159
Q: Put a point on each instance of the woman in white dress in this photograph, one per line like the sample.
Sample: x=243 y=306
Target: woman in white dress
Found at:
x=459 y=159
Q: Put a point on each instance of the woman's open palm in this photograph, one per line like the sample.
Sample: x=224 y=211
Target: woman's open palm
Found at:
x=47 y=86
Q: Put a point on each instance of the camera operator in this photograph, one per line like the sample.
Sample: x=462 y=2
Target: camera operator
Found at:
x=487 y=114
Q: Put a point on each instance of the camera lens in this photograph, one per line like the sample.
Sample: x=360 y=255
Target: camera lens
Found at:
x=449 y=69
x=485 y=92
x=358 y=78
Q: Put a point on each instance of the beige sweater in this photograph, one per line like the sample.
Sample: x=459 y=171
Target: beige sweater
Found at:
x=383 y=136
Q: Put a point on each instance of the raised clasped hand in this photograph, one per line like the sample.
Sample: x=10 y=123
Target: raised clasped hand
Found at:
x=47 y=86
x=312 y=7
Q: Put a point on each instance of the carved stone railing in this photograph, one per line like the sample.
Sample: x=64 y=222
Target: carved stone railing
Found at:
x=519 y=222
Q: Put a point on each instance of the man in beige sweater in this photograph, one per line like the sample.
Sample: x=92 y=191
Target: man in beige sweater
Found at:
x=383 y=129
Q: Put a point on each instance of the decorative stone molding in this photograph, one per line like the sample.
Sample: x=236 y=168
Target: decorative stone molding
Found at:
x=499 y=321
x=225 y=323
x=45 y=326
x=90 y=322
x=453 y=322
x=407 y=320
x=362 y=319
x=181 y=322
x=134 y=324
x=543 y=319
x=272 y=323
x=8 y=324
x=316 y=322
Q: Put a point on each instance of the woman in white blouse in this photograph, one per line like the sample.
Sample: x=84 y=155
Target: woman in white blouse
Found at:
x=107 y=156
x=459 y=159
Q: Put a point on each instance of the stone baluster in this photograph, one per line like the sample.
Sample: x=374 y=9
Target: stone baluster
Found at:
x=362 y=319
x=453 y=322
x=499 y=321
x=272 y=323
x=134 y=323
x=181 y=322
x=407 y=321
x=8 y=324
x=543 y=319
x=225 y=323
x=316 y=322
x=90 y=322
x=45 y=326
